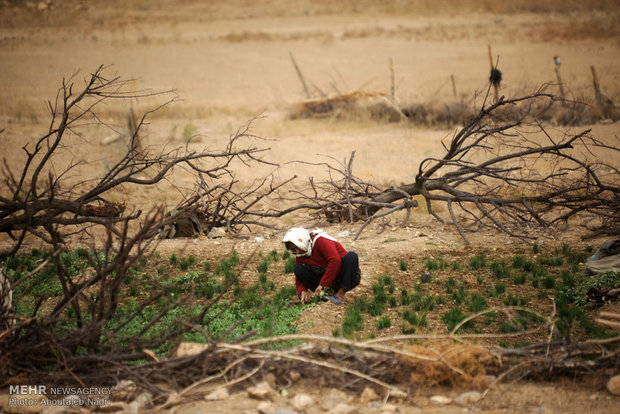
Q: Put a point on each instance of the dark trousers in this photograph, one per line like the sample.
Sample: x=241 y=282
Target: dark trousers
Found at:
x=348 y=278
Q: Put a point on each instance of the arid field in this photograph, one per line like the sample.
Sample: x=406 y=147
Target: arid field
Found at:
x=219 y=65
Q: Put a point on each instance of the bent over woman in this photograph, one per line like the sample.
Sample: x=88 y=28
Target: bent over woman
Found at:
x=321 y=262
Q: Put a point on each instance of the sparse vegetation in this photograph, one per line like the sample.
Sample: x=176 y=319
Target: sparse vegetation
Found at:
x=99 y=314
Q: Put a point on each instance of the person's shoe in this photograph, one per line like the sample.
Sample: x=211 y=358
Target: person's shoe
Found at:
x=334 y=299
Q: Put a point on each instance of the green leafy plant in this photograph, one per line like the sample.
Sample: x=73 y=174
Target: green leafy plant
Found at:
x=477 y=303
x=455 y=316
x=478 y=262
x=289 y=265
x=548 y=282
x=403 y=265
x=353 y=320
x=500 y=269
x=383 y=323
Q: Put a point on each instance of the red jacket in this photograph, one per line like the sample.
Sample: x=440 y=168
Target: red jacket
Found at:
x=325 y=253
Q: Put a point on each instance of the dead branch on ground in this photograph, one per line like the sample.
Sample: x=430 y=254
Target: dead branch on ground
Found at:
x=510 y=174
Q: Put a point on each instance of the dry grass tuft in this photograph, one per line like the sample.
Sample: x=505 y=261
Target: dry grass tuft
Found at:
x=361 y=106
x=469 y=359
x=356 y=105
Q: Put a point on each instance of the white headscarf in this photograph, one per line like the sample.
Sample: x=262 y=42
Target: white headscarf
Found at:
x=304 y=239
x=300 y=237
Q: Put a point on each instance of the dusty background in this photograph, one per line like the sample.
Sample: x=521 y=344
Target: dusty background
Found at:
x=229 y=61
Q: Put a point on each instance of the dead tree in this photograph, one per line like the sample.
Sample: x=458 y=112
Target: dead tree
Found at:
x=43 y=201
x=502 y=170
x=48 y=200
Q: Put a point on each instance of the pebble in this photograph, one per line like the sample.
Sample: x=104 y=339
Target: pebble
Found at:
x=266 y=408
x=333 y=398
x=440 y=400
x=301 y=401
x=389 y=408
x=468 y=398
x=219 y=394
x=261 y=391
x=294 y=375
x=368 y=395
x=613 y=385
x=173 y=399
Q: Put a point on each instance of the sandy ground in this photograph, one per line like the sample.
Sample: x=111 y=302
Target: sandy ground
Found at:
x=231 y=61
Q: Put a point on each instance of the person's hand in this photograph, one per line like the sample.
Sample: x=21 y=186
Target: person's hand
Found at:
x=305 y=296
x=318 y=290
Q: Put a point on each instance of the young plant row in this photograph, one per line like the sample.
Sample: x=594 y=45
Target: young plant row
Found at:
x=160 y=295
x=442 y=296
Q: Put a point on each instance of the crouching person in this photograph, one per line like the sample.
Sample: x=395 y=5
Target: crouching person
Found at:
x=321 y=262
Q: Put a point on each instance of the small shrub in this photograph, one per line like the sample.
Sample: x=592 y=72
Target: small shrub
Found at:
x=173 y=259
x=451 y=283
x=499 y=269
x=539 y=271
x=498 y=290
x=518 y=262
x=375 y=308
x=421 y=302
x=414 y=318
x=185 y=264
x=403 y=265
x=520 y=279
x=511 y=301
x=431 y=264
x=528 y=266
x=263 y=266
x=478 y=262
x=551 y=261
x=404 y=297
x=459 y=295
x=453 y=317
x=386 y=281
x=383 y=323
x=568 y=280
x=289 y=265
x=273 y=255
x=353 y=319
x=477 y=303
x=548 y=282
